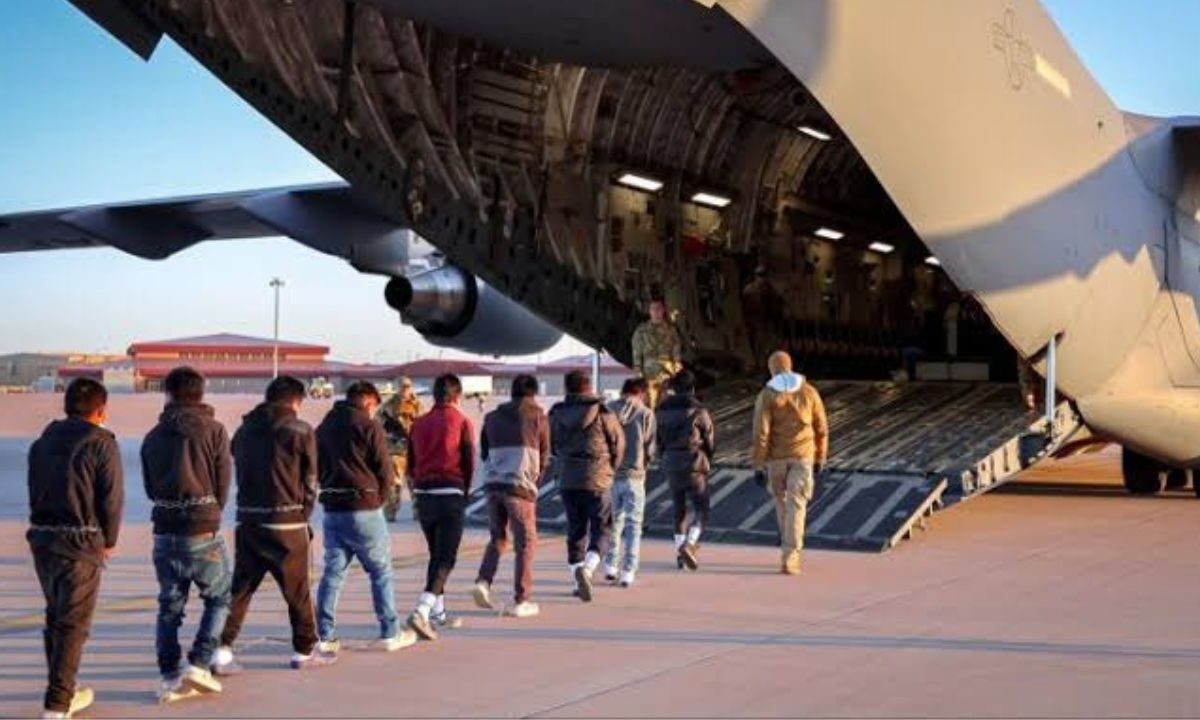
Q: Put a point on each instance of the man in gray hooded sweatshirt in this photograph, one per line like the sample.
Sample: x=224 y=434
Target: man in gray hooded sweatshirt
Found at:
x=515 y=449
x=629 y=484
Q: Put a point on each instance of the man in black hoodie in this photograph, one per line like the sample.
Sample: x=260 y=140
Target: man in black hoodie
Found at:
x=686 y=442
x=356 y=480
x=587 y=443
x=186 y=468
x=76 y=496
x=276 y=457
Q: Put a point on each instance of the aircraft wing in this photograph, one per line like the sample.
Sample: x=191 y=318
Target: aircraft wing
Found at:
x=327 y=217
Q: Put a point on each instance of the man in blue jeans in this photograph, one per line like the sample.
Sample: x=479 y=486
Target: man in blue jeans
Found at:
x=629 y=485
x=355 y=474
x=186 y=469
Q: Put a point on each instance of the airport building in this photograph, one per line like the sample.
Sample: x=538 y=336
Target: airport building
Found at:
x=232 y=364
x=243 y=364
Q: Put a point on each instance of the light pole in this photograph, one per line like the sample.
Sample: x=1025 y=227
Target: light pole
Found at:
x=596 y=371
x=276 y=283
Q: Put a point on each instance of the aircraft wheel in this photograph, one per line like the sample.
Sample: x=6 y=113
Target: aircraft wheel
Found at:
x=1178 y=478
x=1143 y=475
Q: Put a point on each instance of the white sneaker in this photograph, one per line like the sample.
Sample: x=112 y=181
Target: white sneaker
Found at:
x=482 y=593
x=402 y=639
x=224 y=663
x=200 y=679
x=627 y=579
x=169 y=688
x=82 y=700
x=610 y=573
x=583 y=582
x=314 y=659
x=329 y=647
x=445 y=620
x=523 y=609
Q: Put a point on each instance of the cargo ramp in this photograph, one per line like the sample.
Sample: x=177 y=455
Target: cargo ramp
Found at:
x=899 y=451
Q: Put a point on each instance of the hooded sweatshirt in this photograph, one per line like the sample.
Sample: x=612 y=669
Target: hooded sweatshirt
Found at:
x=355 y=469
x=637 y=422
x=186 y=468
x=76 y=490
x=789 y=422
x=276 y=456
x=587 y=443
x=515 y=447
x=441 y=451
x=686 y=437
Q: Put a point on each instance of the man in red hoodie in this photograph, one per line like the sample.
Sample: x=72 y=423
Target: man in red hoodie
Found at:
x=441 y=456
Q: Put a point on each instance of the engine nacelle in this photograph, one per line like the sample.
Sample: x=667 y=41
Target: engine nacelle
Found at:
x=452 y=308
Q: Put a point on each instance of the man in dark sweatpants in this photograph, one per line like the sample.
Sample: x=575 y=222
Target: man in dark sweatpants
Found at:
x=276 y=457
x=441 y=457
x=76 y=496
x=186 y=468
x=587 y=443
x=686 y=444
x=515 y=447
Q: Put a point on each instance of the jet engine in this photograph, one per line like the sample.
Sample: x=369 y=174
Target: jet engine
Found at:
x=452 y=308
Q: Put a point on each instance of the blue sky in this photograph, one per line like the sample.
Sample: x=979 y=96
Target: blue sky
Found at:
x=83 y=120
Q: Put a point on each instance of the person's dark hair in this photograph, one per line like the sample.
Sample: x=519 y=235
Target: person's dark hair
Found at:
x=84 y=398
x=184 y=385
x=635 y=386
x=577 y=382
x=524 y=386
x=361 y=391
x=447 y=388
x=684 y=382
x=285 y=389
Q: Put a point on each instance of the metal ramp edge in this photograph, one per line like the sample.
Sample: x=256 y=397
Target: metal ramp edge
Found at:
x=868 y=512
x=906 y=455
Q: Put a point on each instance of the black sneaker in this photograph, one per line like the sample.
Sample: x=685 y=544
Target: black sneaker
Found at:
x=584 y=584
x=421 y=626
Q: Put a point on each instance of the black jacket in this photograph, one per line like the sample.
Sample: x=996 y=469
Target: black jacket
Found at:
x=76 y=490
x=186 y=466
x=276 y=457
x=355 y=468
x=686 y=437
x=587 y=443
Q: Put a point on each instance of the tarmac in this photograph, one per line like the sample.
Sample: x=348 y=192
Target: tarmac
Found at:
x=1056 y=596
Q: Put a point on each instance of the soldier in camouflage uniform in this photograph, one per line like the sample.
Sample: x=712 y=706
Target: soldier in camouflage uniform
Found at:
x=656 y=350
x=397 y=415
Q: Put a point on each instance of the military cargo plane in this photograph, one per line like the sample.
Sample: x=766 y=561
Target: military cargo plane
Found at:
x=931 y=188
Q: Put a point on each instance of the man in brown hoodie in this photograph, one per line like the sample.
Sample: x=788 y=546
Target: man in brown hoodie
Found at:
x=791 y=442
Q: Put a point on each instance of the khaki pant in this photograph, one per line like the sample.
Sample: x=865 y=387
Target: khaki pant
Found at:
x=791 y=485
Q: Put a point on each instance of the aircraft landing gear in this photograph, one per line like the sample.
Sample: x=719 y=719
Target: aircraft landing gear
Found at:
x=1178 y=478
x=1143 y=475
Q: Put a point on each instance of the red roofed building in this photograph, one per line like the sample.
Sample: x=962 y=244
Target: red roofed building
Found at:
x=231 y=363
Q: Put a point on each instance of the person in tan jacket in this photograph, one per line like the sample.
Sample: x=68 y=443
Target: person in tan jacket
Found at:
x=791 y=442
